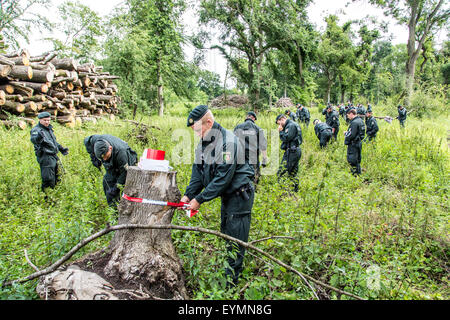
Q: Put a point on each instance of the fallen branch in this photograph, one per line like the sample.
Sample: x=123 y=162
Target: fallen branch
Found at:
x=109 y=229
x=29 y=261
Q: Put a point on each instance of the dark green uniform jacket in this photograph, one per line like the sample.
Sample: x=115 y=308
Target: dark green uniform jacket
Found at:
x=361 y=110
x=253 y=139
x=371 y=127
x=402 y=115
x=216 y=169
x=218 y=172
x=291 y=139
x=323 y=132
x=303 y=115
x=333 y=121
x=116 y=166
x=353 y=137
x=46 y=148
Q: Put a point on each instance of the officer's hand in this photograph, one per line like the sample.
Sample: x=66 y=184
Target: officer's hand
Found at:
x=113 y=192
x=194 y=205
x=264 y=162
x=65 y=151
x=185 y=199
x=280 y=128
x=97 y=163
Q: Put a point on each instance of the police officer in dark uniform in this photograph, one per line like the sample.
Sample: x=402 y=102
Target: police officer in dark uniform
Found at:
x=254 y=142
x=303 y=114
x=402 y=114
x=323 y=132
x=291 y=115
x=116 y=156
x=217 y=172
x=371 y=125
x=291 y=138
x=332 y=119
x=361 y=111
x=46 y=149
x=353 y=137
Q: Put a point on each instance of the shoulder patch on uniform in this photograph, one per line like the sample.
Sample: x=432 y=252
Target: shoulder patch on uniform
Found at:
x=227 y=157
x=348 y=132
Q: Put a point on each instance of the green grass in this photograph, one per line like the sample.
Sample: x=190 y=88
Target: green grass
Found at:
x=383 y=235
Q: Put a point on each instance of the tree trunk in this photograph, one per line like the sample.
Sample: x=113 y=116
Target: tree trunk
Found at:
x=42 y=76
x=329 y=82
x=65 y=63
x=21 y=72
x=300 y=65
x=39 y=87
x=160 y=89
x=137 y=260
x=151 y=252
x=4 y=70
x=13 y=107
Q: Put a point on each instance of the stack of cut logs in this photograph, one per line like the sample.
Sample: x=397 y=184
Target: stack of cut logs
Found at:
x=71 y=92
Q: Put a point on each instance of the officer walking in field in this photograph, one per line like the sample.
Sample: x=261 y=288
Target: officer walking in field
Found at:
x=219 y=170
x=253 y=139
x=402 y=114
x=116 y=156
x=291 y=115
x=332 y=119
x=291 y=138
x=371 y=125
x=46 y=149
x=323 y=132
x=303 y=114
x=353 y=137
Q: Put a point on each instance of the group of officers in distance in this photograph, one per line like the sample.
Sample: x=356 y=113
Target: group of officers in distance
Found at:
x=226 y=163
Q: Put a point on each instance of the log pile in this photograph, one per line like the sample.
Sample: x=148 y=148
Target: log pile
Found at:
x=71 y=92
x=233 y=101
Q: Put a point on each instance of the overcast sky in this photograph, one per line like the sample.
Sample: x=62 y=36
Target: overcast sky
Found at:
x=214 y=61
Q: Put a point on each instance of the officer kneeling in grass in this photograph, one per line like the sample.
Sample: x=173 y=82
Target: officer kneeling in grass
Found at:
x=323 y=132
x=46 y=149
x=116 y=156
x=217 y=172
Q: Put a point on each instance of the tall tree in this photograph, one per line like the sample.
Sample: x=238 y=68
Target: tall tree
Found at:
x=18 y=17
x=82 y=29
x=422 y=17
x=245 y=27
x=334 y=51
x=161 y=19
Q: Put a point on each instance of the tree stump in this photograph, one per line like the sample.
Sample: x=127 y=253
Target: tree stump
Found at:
x=139 y=263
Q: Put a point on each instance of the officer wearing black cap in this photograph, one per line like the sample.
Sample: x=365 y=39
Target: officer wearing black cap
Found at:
x=291 y=115
x=254 y=142
x=220 y=170
x=353 y=137
x=371 y=124
x=361 y=111
x=332 y=119
x=46 y=149
x=116 y=156
x=323 y=132
x=303 y=114
x=402 y=114
x=291 y=139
